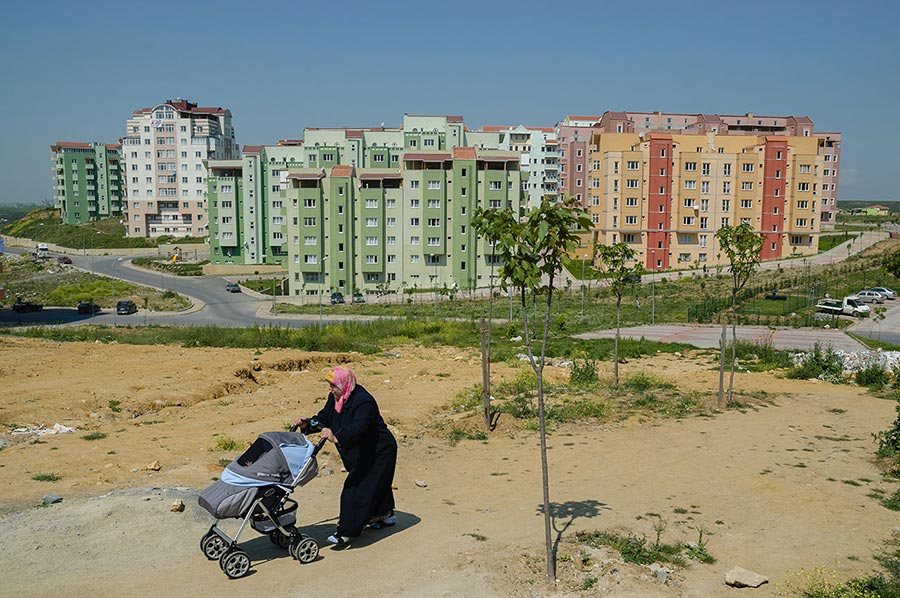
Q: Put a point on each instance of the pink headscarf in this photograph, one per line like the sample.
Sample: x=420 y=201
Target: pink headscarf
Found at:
x=344 y=382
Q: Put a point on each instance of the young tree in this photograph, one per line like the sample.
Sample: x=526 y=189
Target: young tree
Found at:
x=490 y=224
x=614 y=260
x=532 y=252
x=741 y=245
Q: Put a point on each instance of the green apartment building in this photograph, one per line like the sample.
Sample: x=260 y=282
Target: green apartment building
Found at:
x=88 y=180
x=364 y=210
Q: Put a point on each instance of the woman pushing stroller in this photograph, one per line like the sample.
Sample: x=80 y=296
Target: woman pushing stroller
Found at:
x=350 y=419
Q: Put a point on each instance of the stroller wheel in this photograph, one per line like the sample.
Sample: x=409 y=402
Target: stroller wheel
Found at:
x=235 y=564
x=305 y=551
x=280 y=540
x=213 y=546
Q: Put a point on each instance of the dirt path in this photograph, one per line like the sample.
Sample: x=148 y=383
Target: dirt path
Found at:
x=769 y=485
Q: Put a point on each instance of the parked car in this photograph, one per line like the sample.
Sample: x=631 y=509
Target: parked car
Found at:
x=86 y=307
x=25 y=307
x=123 y=308
x=359 y=297
x=888 y=293
x=232 y=287
x=870 y=297
x=337 y=298
x=64 y=259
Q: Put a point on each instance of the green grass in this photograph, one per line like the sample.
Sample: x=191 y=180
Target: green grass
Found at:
x=94 y=436
x=43 y=224
x=46 y=477
x=635 y=548
x=223 y=443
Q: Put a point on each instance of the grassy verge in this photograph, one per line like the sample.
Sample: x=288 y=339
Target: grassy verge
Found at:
x=46 y=282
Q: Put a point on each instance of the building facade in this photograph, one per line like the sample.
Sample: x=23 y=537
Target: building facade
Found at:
x=365 y=210
x=164 y=151
x=539 y=153
x=88 y=180
x=666 y=194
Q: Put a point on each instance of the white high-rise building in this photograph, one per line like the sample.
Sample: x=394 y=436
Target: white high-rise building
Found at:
x=164 y=151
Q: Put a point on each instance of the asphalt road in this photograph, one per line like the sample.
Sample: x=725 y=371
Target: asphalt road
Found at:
x=212 y=304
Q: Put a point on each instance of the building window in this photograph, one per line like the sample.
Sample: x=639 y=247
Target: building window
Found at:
x=371 y=222
x=371 y=259
x=494 y=186
x=414 y=184
x=414 y=240
x=434 y=222
x=310 y=240
x=371 y=203
x=746 y=203
x=414 y=259
x=631 y=183
x=392 y=240
x=309 y=222
x=310 y=259
x=414 y=222
x=434 y=185
x=630 y=219
x=690 y=184
x=690 y=166
x=414 y=203
x=632 y=165
x=746 y=186
x=434 y=241
x=372 y=241
x=688 y=221
x=747 y=167
x=802 y=186
x=726 y=169
x=631 y=202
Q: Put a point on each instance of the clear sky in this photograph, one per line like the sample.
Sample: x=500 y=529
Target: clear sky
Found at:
x=74 y=71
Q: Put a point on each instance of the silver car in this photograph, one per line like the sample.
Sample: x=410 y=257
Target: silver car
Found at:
x=888 y=293
x=870 y=296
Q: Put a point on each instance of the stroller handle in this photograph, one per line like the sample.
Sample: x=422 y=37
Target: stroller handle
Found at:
x=319 y=444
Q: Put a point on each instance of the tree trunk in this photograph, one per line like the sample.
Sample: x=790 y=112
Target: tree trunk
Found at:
x=733 y=350
x=722 y=344
x=486 y=376
x=616 y=343
x=545 y=476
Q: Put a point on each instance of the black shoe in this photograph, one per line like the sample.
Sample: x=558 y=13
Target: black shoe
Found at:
x=389 y=521
x=338 y=542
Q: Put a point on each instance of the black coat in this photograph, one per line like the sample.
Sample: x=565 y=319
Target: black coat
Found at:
x=369 y=453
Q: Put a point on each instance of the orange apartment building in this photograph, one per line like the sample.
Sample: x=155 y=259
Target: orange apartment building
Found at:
x=665 y=192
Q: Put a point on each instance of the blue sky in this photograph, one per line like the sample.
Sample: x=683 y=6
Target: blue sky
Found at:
x=74 y=71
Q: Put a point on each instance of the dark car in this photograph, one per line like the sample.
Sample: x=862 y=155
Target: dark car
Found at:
x=359 y=297
x=64 y=259
x=633 y=278
x=86 y=307
x=337 y=298
x=123 y=308
x=232 y=287
x=25 y=307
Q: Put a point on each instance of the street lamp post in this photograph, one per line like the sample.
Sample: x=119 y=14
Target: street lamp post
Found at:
x=653 y=288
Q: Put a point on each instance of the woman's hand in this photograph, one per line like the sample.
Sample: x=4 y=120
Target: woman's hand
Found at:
x=302 y=424
x=329 y=435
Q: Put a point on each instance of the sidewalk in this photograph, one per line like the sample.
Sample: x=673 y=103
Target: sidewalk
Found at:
x=707 y=337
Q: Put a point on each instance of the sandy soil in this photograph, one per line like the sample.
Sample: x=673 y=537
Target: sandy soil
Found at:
x=767 y=483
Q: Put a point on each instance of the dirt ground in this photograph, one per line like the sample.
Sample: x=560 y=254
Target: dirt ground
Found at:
x=777 y=488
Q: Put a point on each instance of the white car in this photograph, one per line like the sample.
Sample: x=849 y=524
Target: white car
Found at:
x=870 y=297
x=888 y=293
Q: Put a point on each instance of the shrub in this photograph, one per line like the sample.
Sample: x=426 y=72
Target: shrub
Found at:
x=46 y=477
x=873 y=375
x=889 y=440
x=94 y=436
x=821 y=364
x=223 y=443
x=584 y=372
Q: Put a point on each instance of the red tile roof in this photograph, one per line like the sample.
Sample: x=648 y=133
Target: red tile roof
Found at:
x=70 y=145
x=342 y=170
x=463 y=153
x=776 y=138
x=252 y=150
x=354 y=133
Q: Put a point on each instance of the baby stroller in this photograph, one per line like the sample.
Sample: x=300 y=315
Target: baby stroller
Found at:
x=256 y=488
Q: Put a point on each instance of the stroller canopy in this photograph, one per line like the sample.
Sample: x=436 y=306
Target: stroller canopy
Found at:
x=274 y=458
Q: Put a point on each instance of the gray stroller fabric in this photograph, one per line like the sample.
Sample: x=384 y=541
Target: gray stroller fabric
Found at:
x=224 y=500
x=275 y=458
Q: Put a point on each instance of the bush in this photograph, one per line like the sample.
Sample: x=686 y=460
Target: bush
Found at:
x=824 y=365
x=584 y=373
x=873 y=375
x=889 y=441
